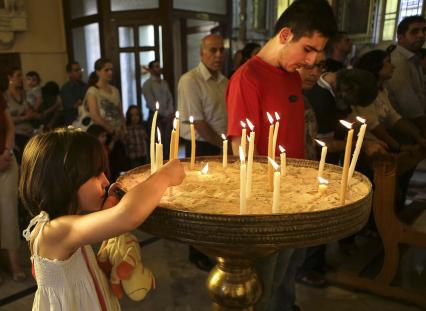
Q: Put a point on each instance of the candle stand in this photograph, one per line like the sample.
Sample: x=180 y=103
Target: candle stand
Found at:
x=236 y=241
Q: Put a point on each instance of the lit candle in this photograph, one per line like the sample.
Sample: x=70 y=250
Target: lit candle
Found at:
x=193 y=145
x=357 y=150
x=243 y=137
x=176 y=149
x=283 y=159
x=322 y=185
x=243 y=181
x=270 y=141
x=277 y=185
x=152 y=141
x=250 y=158
x=159 y=151
x=172 y=141
x=323 y=155
x=344 y=181
x=274 y=140
x=205 y=169
x=225 y=151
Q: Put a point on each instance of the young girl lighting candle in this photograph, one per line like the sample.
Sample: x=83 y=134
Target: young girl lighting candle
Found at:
x=62 y=178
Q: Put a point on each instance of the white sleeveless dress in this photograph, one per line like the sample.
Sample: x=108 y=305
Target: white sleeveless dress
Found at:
x=76 y=283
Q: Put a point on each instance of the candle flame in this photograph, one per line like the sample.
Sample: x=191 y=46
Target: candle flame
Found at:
x=243 y=125
x=177 y=114
x=319 y=142
x=159 y=135
x=174 y=123
x=191 y=119
x=282 y=149
x=205 y=169
x=223 y=136
x=346 y=124
x=322 y=181
x=274 y=164
x=157 y=106
x=271 y=120
x=251 y=126
x=277 y=116
x=242 y=155
x=362 y=120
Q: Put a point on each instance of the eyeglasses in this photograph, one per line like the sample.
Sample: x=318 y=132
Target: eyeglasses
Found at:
x=320 y=66
x=78 y=70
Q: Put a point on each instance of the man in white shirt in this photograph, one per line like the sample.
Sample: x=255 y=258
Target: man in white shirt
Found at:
x=155 y=89
x=406 y=87
x=201 y=94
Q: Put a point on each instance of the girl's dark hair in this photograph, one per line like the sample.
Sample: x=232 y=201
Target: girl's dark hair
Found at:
x=129 y=110
x=11 y=70
x=54 y=166
x=34 y=75
x=99 y=64
x=356 y=87
x=372 y=61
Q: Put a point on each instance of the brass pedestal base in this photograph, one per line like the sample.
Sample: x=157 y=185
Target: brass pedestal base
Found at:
x=233 y=284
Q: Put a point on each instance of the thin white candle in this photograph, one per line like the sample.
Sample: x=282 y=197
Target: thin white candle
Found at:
x=172 y=141
x=270 y=154
x=159 y=151
x=277 y=186
x=243 y=137
x=276 y=128
x=322 y=185
x=357 y=150
x=152 y=141
x=243 y=181
x=225 y=152
x=283 y=159
x=193 y=144
x=176 y=148
x=250 y=158
x=344 y=181
x=323 y=155
x=205 y=169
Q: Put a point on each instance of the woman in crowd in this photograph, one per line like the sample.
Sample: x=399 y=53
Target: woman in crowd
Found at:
x=103 y=105
x=9 y=231
x=22 y=114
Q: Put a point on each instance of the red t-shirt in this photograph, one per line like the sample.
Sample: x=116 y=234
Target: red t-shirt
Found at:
x=2 y=124
x=258 y=87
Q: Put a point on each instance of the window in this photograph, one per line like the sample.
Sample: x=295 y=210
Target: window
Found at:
x=395 y=11
x=86 y=46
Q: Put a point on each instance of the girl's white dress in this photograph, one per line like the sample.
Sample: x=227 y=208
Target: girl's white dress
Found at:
x=76 y=283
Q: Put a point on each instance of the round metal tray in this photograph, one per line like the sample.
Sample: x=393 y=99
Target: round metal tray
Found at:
x=234 y=234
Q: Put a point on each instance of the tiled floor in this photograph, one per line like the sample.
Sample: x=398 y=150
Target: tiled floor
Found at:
x=181 y=287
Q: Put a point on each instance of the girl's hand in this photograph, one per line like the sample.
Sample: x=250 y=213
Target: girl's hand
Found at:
x=173 y=172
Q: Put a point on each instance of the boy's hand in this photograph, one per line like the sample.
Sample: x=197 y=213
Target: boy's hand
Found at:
x=173 y=171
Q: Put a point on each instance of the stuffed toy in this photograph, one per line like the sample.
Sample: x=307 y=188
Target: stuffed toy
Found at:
x=120 y=259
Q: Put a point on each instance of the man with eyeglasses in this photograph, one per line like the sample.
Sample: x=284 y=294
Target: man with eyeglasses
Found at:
x=406 y=87
x=73 y=91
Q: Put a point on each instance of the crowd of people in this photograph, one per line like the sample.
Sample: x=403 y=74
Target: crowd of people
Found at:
x=306 y=73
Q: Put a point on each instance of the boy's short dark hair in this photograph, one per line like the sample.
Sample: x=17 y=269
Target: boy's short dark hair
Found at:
x=151 y=63
x=34 y=75
x=372 y=61
x=356 y=87
x=68 y=67
x=304 y=17
x=406 y=22
x=54 y=166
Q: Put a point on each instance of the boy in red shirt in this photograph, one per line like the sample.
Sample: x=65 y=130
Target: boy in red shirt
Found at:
x=268 y=82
